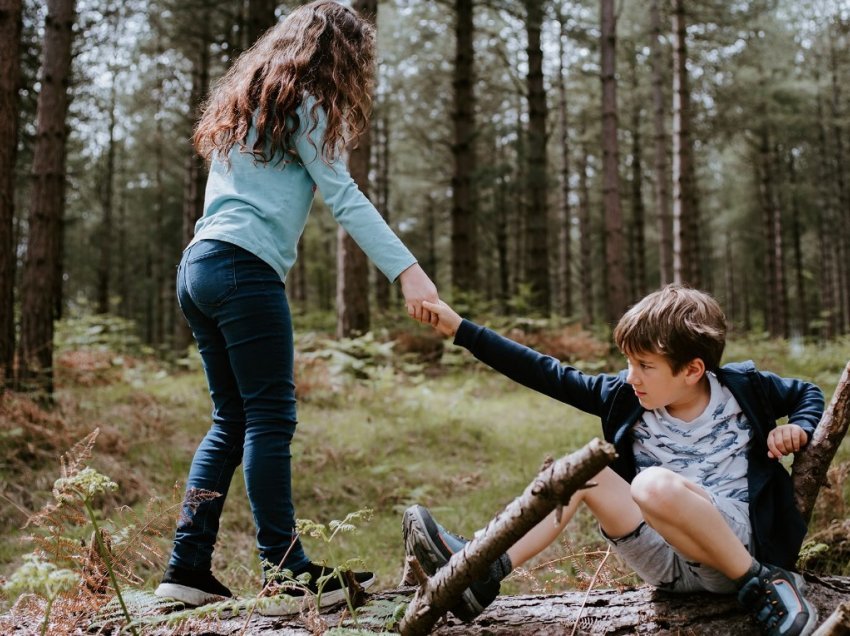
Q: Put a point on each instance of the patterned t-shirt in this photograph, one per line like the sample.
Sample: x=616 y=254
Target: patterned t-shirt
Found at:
x=710 y=450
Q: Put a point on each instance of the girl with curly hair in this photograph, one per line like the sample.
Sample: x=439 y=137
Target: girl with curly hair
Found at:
x=274 y=130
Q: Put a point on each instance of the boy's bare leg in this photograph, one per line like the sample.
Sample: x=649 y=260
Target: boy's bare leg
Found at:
x=679 y=510
x=682 y=513
x=611 y=503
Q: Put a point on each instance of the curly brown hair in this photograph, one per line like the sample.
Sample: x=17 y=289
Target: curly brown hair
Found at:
x=323 y=49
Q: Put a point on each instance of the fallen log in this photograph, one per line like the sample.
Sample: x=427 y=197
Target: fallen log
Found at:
x=642 y=610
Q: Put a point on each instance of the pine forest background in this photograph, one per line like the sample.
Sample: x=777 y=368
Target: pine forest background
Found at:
x=541 y=158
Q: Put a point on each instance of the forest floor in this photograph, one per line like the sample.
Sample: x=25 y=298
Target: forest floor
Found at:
x=385 y=421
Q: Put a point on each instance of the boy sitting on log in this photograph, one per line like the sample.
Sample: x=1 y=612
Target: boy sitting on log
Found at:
x=697 y=499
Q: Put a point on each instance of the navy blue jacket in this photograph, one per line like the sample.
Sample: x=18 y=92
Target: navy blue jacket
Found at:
x=778 y=527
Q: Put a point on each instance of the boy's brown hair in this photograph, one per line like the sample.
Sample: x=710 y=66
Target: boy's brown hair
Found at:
x=676 y=322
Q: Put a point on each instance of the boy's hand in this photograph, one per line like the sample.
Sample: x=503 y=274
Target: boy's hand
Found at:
x=786 y=439
x=447 y=319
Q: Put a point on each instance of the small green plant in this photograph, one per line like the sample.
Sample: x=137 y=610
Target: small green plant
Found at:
x=43 y=578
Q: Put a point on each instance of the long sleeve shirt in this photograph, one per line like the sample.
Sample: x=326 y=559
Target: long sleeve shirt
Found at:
x=263 y=207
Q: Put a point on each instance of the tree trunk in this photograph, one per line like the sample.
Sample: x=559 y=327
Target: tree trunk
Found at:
x=107 y=192
x=686 y=256
x=260 y=18
x=194 y=179
x=616 y=300
x=565 y=256
x=638 y=244
x=810 y=465
x=802 y=314
x=382 y=196
x=464 y=213
x=842 y=237
x=352 y=277
x=586 y=239
x=10 y=75
x=662 y=193
x=47 y=204
x=826 y=244
x=536 y=217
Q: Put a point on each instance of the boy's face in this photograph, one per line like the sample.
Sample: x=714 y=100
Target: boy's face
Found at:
x=655 y=384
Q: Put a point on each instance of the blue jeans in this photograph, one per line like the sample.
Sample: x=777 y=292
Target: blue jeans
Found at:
x=236 y=305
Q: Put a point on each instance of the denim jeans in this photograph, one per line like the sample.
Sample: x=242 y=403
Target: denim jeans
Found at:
x=236 y=305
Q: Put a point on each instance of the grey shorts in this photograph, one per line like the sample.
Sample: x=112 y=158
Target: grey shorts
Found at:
x=658 y=563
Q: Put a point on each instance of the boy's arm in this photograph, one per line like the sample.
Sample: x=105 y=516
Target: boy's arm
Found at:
x=524 y=365
x=802 y=402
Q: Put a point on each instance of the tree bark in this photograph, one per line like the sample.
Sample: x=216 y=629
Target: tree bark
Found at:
x=825 y=215
x=637 y=245
x=662 y=192
x=810 y=465
x=536 y=265
x=10 y=76
x=352 y=277
x=382 y=195
x=107 y=195
x=194 y=176
x=802 y=313
x=464 y=211
x=616 y=295
x=47 y=204
x=552 y=487
x=686 y=257
x=565 y=254
x=585 y=234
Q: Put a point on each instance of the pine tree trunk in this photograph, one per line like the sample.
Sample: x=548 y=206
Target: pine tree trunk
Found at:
x=352 y=277
x=616 y=300
x=106 y=197
x=802 y=313
x=565 y=256
x=464 y=211
x=382 y=196
x=686 y=256
x=826 y=214
x=10 y=75
x=773 y=311
x=260 y=18
x=842 y=239
x=536 y=218
x=638 y=243
x=662 y=192
x=194 y=175
x=47 y=204
x=586 y=238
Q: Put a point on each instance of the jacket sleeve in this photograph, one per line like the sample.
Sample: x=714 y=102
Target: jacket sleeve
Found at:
x=537 y=371
x=802 y=402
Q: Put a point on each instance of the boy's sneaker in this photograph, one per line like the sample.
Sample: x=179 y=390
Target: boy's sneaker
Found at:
x=286 y=597
x=775 y=597
x=433 y=546
x=191 y=587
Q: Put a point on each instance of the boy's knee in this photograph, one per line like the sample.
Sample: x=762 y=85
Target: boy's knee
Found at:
x=655 y=487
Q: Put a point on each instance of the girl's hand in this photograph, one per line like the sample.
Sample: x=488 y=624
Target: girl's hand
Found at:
x=416 y=287
x=786 y=439
x=447 y=320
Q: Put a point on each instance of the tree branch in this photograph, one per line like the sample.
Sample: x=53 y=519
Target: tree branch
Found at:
x=552 y=486
x=811 y=465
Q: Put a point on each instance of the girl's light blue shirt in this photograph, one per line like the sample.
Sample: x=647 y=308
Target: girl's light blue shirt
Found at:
x=263 y=207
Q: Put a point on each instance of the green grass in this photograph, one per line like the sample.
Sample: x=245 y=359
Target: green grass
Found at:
x=464 y=442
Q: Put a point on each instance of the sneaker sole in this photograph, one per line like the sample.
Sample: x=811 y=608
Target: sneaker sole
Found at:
x=188 y=595
x=418 y=542
x=293 y=603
